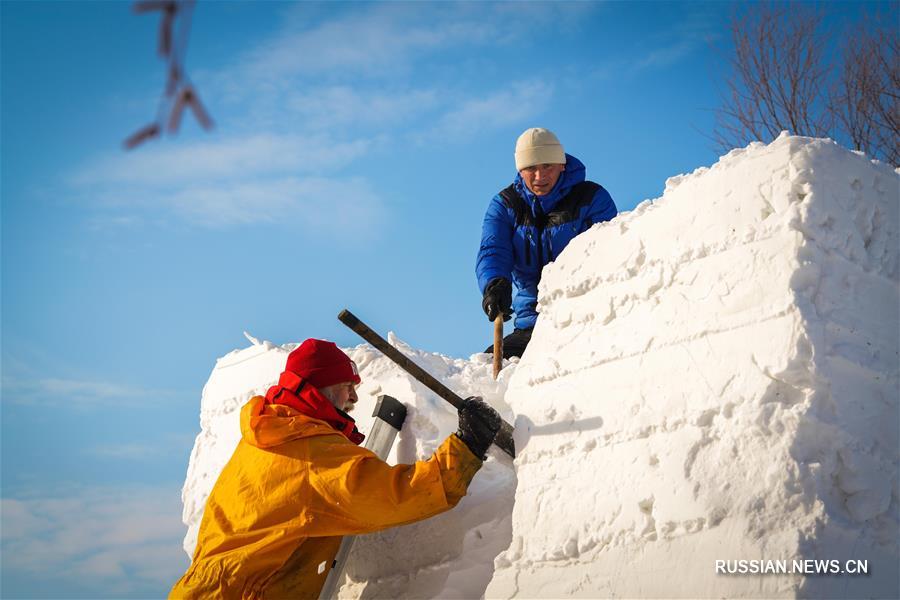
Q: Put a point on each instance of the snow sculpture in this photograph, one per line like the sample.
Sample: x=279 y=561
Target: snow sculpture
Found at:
x=714 y=377
x=712 y=387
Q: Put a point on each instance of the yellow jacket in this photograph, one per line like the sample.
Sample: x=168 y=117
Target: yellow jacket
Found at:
x=292 y=488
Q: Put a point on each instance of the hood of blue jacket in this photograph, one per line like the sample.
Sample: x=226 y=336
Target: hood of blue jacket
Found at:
x=573 y=175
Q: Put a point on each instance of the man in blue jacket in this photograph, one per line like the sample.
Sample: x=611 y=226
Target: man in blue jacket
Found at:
x=528 y=224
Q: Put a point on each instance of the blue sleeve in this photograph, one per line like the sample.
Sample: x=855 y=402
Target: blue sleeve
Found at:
x=495 y=255
x=602 y=207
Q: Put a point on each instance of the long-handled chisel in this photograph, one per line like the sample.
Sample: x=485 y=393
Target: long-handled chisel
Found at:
x=504 y=439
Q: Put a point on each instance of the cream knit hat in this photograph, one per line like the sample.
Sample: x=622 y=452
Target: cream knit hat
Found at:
x=538 y=146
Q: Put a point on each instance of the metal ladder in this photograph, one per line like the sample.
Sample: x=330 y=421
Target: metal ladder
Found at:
x=389 y=416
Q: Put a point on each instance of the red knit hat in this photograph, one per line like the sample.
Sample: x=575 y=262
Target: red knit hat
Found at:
x=322 y=364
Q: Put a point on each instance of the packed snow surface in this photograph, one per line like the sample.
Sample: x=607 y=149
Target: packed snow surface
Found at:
x=712 y=386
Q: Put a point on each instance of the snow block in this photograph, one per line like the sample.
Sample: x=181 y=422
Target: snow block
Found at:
x=711 y=389
x=713 y=378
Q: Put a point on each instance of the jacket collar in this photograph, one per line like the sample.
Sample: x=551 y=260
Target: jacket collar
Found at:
x=294 y=391
x=574 y=174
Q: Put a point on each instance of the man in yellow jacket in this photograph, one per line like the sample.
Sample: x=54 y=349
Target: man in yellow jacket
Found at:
x=299 y=480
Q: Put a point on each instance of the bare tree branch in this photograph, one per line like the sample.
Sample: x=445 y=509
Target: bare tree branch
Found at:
x=787 y=75
x=864 y=99
x=778 y=70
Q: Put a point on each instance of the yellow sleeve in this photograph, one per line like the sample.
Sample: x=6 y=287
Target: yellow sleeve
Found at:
x=353 y=491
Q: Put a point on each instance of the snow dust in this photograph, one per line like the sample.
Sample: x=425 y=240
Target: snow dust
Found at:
x=713 y=376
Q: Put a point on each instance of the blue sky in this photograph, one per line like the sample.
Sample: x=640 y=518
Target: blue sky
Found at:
x=356 y=148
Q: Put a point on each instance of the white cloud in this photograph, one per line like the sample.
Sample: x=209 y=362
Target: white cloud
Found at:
x=381 y=39
x=341 y=105
x=129 y=452
x=320 y=204
x=371 y=44
x=693 y=32
x=263 y=178
x=164 y=444
x=108 y=539
x=77 y=393
x=234 y=158
x=499 y=109
x=304 y=107
x=19 y=521
x=668 y=55
x=374 y=40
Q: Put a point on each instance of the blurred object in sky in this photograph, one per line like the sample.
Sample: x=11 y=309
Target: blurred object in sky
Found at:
x=187 y=97
x=179 y=92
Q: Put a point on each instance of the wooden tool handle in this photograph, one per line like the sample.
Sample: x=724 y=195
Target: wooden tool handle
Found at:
x=349 y=319
x=504 y=439
x=498 y=345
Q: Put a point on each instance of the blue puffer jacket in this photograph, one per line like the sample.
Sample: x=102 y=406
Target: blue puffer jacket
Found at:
x=523 y=232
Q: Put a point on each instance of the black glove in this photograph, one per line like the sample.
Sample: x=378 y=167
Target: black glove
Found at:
x=498 y=299
x=478 y=425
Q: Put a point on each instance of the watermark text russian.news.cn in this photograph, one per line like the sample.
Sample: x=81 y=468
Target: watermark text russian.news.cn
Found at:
x=753 y=566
